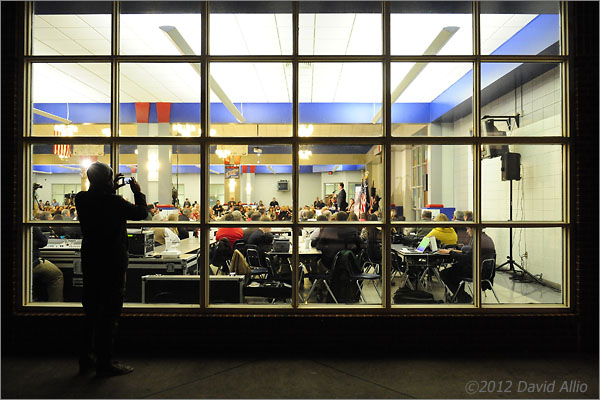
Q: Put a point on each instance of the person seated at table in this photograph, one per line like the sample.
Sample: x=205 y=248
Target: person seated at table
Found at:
x=336 y=238
x=318 y=203
x=262 y=238
x=350 y=208
x=446 y=235
x=159 y=233
x=372 y=236
x=218 y=209
x=45 y=273
x=232 y=234
x=464 y=264
x=254 y=217
x=469 y=216
x=352 y=216
x=461 y=232
x=184 y=216
x=315 y=234
x=423 y=230
x=284 y=214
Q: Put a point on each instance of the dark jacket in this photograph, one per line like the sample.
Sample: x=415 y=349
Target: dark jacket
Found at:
x=39 y=240
x=103 y=218
x=333 y=239
x=262 y=240
x=465 y=256
x=248 y=232
x=182 y=232
x=341 y=200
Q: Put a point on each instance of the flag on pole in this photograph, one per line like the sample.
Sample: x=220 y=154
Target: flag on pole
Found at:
x=364 y=194
x=62 y=150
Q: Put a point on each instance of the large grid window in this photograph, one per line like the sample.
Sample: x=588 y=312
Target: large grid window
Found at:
x=305 y=157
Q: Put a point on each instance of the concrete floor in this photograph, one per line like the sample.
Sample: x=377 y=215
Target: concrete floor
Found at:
x=310 y=377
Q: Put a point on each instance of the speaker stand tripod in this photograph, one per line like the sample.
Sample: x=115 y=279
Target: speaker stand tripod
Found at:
x=523 y=275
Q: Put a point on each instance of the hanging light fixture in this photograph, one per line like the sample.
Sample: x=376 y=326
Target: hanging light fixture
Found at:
x=304 y=154
x=305 y=130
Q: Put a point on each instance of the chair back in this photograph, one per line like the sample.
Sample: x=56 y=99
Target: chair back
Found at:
x=346 y=260
x=488 y=269
x=240 y=245
x=252 y=256
x=397 y=264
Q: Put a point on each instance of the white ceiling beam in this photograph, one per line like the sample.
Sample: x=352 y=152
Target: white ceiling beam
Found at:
x=436 y=45
x=51 y=116
x=67 y=167
x=185 y=49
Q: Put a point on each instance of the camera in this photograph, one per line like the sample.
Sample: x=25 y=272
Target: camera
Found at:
x=37 y=186
x=122 y=181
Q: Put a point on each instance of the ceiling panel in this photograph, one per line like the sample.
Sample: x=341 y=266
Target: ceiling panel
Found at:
x=269 y=34
x=95 y=46
x=97 y=20
x=65 y=21
x=44 y=34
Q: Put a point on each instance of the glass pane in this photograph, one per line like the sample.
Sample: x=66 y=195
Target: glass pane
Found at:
x=49 y=274
x=70 y=99
x=160 y=99
x=160 y=169
x=340 y=28
x=251 y=28
x=251 y=99
x=523 y=27
x=432 y=99
x=536 y=273
x=149 y=279
x=62 y=164
x=71 y=28
x=256 y=180
x=341 y=165
x=431 y=28
x=534 y=176
x=260 y=271
x=530 y=92
x=448 y=176
x=161 y=27
x=340 y=99
x=330 y=274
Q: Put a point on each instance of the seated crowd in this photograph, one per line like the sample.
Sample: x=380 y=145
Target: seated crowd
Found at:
x=329 y=240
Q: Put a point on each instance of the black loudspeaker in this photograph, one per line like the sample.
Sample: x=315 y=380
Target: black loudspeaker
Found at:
x=511 y=167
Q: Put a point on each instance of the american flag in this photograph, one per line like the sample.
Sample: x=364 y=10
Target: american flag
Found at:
x=62 y=150
x=364 y=194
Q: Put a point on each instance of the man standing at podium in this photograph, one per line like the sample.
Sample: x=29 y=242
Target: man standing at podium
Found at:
x=103 y=217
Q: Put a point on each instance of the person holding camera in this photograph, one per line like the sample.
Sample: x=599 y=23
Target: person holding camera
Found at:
x=103 y=218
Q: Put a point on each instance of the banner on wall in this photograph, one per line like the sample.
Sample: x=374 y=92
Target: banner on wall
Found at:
x=232 y=172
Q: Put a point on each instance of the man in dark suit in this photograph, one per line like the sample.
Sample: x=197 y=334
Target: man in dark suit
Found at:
x=341 y=199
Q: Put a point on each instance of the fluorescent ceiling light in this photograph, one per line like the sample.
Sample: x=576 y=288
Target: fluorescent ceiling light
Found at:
x=184 y=48
x=438 y=43
x=51 y=116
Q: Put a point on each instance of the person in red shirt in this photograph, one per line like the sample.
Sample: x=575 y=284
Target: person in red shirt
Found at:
x=232 y=234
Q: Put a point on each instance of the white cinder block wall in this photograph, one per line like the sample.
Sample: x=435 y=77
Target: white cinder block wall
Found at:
x=538 y=195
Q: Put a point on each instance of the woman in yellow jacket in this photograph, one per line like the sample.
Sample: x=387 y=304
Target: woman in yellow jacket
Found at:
x=445 y=235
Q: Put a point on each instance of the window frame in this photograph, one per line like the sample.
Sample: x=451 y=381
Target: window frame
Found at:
x=387 y=141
